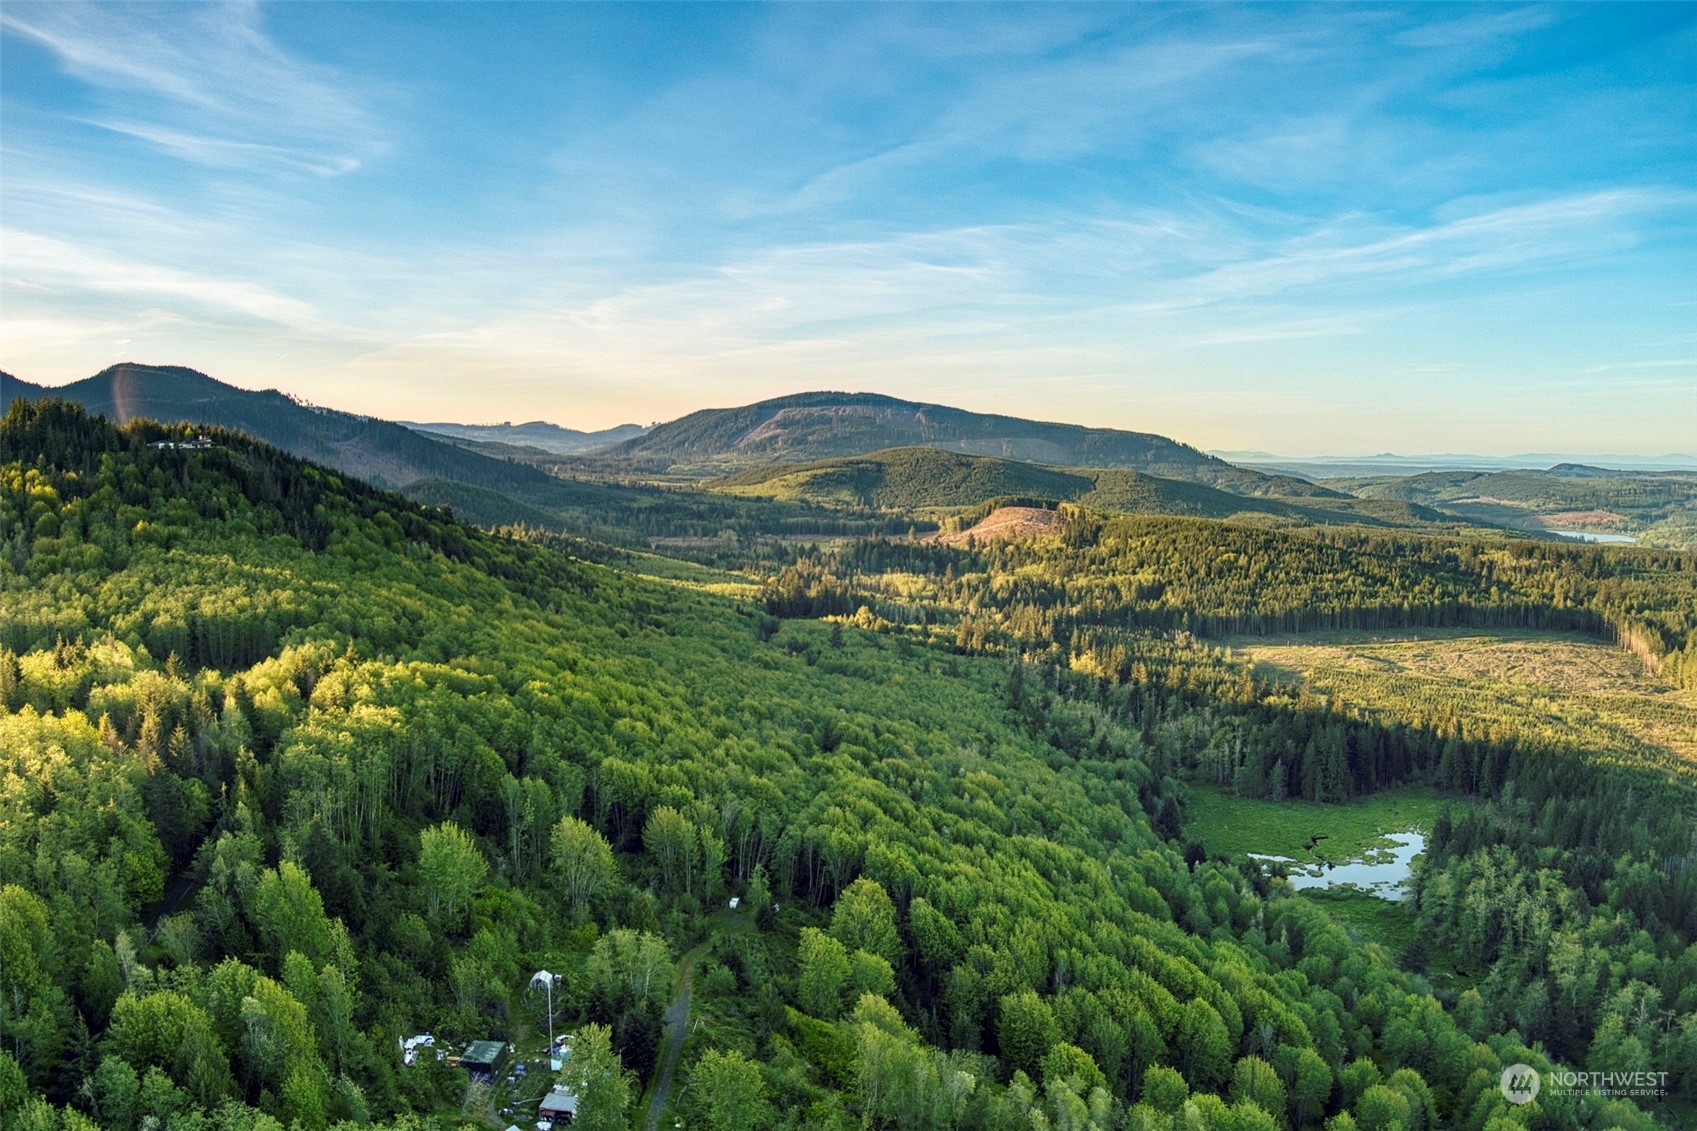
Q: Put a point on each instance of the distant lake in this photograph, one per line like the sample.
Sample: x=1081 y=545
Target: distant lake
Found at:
x=1384 y=873
x=1587 y=536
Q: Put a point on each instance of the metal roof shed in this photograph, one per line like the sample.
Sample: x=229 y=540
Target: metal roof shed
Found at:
x=484 y=1058
x=559 y=1105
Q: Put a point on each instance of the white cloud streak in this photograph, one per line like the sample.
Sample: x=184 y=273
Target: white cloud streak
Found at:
x=1094 y=293
x=205 y=85
x=43 y=264
x=1036 y=206
x=1349 y=252
x=1472 y=30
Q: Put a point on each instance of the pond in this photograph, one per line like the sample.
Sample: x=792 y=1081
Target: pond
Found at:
x=1381 y=871
x=1588 y=536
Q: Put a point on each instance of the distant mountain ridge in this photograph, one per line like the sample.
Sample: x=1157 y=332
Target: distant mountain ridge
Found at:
x=1389 y=463
x=807 y=427
x=11 y=387
x=376 y=450
x=947 y=458
x=481 y=488
x=540 y=434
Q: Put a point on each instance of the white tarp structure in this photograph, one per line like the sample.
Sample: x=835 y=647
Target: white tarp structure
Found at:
x=411 y=1045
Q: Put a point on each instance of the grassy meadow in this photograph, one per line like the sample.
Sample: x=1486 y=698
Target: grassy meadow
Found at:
x=1237 y=826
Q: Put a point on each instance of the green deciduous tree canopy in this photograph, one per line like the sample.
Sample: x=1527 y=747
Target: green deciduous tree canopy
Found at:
x=290 y=767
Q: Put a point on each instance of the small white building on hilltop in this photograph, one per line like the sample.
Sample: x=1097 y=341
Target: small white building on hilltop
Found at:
x=198 y=444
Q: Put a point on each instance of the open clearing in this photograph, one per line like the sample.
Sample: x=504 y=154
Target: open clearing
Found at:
x=1560 y=661
x=1006 y=523
x=1557 y=686
x=1237 y=826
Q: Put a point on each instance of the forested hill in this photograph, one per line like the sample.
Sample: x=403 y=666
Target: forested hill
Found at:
x=1656 y=507
x=482 y=489
x=908 y=479
x=1213 y=579
x=814 y=426
x=11 y=386
x=371 y=449
x=401 y=765
x=922 y=479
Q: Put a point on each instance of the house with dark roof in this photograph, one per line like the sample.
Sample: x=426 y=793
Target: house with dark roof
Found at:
x=484 y=1059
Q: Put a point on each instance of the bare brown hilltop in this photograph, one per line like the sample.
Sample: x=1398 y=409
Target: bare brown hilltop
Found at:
x=1007 y=524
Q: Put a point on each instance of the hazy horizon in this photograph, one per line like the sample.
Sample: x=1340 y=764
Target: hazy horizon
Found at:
x=1330 y=229
x=1678 y=460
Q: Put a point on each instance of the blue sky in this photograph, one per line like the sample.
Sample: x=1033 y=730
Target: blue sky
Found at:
x=1308 y=228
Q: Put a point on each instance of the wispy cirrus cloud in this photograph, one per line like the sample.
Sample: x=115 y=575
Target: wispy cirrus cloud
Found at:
x=1359 y=250
x=1158 y=216
x=1105 y=291
x=1036 y=105
x=1289 y=331
x=41 y=264
x=1657 y=363
x=205 y=84
x=1477 y=27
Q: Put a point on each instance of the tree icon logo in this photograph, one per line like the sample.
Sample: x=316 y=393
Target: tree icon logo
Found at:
x=1520 y=1084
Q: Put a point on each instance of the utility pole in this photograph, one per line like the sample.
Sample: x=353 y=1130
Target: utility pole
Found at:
x=547 y=981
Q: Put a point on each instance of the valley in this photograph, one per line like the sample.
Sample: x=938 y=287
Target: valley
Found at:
x=993 y=756
x=1658 y=508
x=638 y=566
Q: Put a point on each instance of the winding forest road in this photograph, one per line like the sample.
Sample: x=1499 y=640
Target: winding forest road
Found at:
x=676 y=1017
x=677 y=1026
